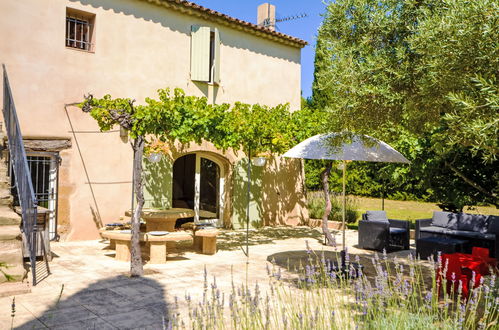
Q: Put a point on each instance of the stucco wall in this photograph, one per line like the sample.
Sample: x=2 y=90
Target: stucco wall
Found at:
x=139 y=48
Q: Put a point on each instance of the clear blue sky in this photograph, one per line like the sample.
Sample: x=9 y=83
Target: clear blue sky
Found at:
x=303 y=28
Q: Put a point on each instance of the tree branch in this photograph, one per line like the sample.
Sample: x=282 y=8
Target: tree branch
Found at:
x=472 y=183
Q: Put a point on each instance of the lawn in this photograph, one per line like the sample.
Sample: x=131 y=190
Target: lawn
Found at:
x=411 y=210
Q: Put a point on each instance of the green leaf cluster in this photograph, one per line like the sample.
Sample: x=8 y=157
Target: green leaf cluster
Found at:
x=422 y=76
x=411 y=64
x=175 y=116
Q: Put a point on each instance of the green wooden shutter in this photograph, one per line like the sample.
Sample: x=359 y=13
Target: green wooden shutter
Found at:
x=200 y=53
x=216 y=72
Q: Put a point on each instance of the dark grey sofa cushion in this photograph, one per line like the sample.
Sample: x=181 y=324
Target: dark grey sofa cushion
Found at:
x=433 y=229
x=444 y=219
x=396 y=231
x=472 y=222
x=376 y=216
x=493 y=224
x=453 y=232
x=470 y=234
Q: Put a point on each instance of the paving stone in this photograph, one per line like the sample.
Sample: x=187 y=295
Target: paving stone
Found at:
x=58 y=316
x=136 y=319
x=136 y=289
x=96 y=291
x=94 y=324
x=22 y=323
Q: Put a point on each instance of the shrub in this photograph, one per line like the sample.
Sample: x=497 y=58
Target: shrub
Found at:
x=316 y=205
x=397 y=295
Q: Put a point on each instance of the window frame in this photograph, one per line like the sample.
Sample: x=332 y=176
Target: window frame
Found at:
x=80 y=19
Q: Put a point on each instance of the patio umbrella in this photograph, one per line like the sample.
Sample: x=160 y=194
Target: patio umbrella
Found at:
x=345 y=147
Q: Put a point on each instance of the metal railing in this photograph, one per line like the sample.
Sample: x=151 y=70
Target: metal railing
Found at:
x=22 y=174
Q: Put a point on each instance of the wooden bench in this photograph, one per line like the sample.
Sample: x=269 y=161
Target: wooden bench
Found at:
x=205 y=241
x=158 y=244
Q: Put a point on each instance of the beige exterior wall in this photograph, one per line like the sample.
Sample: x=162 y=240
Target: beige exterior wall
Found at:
x=139 y=48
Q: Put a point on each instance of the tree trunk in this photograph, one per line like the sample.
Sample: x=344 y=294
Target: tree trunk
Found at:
x=136 y=268
x=325 y=184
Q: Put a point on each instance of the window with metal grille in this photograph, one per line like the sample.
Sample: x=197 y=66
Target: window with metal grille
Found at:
x=79 y=29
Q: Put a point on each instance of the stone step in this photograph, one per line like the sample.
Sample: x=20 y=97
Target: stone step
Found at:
x=12 y=255
x=7 y=233
x=5 y=193
x=8 y=217
x=4 y=184
x=16 y=273
x=6 y=201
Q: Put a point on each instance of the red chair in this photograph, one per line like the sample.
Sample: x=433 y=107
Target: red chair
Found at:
x=487 y=262
x=456 y=274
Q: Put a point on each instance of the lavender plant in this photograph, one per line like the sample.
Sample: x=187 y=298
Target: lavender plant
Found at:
x=392 y=294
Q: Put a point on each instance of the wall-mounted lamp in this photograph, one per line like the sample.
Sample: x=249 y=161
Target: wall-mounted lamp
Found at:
x=123 y=132
x=154 y=157
x=258 y=161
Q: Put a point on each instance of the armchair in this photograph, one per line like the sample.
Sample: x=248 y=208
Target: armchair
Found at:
x=377 y=232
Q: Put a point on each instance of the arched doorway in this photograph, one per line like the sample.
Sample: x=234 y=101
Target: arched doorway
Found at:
x=198 y=184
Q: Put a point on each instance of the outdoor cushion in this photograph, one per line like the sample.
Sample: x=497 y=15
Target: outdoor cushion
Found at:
x=469 y=234
x=493 y=221
x=397 y=231
x=472 y=222
x=444 y=219
x=376 y=216
x=433 y=229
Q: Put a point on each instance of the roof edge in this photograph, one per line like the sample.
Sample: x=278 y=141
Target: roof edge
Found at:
x=193 y=9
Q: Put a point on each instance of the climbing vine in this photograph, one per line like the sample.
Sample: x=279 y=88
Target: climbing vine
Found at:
x=174 y=116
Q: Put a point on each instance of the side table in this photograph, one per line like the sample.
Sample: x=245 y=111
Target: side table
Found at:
x=428 y=246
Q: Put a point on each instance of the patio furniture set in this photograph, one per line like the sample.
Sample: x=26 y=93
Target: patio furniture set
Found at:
x=467 y=243
x=456 y=232
x=445 y=232
x=160 y=234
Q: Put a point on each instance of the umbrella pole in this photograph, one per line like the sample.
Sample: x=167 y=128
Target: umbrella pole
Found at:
x=344 y=202
x=344 y=216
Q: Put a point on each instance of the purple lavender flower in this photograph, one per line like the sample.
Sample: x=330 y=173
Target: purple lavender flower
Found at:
x=309 y=250
x=278 y=274
x=462 y=311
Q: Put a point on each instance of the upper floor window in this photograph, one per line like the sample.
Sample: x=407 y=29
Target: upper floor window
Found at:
x=79 y=29
x=205 y=54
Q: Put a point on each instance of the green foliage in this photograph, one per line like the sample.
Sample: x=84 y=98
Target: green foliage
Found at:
x=176 y=116
x=392 y=63
x=316 y=206
x=421 y=75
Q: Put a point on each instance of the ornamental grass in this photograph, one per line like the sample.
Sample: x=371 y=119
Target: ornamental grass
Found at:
x=398 y=294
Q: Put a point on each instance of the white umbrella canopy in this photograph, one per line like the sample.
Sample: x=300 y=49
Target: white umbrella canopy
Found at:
x=346 y=147
x=360 y=148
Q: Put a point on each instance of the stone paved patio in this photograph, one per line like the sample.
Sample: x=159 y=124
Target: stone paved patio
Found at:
x=89 y=289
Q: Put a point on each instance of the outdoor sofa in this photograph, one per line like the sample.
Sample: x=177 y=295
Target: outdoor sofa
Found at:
x=377 y=232
x=475 y=229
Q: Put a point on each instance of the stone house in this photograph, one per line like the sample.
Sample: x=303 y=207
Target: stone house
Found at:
x=56 y=51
